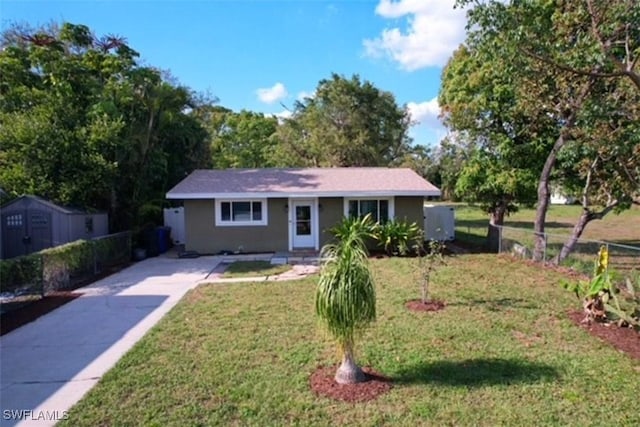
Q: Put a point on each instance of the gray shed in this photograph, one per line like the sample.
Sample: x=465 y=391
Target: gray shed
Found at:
x=30 y=224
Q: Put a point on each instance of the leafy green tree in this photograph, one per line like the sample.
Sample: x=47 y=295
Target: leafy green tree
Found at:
x=84 y=124
x=345 y=299
x=242 y=140
x=348 y=122
x=568 y=54
x=480 y=99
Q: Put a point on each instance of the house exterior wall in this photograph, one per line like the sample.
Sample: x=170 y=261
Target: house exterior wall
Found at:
x=330 y=214
x=410 y=209
x=203 y=236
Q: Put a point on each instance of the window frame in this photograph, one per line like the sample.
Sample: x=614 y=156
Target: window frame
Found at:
x=219 y=222
x=390 y=201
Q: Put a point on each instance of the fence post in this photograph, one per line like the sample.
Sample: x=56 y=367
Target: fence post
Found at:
x=41 y=274
x=94 y=253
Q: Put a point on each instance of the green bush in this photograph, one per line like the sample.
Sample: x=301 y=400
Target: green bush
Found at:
x=22 y=273
x=64 y=263
x=63 y=266
x=397 y=237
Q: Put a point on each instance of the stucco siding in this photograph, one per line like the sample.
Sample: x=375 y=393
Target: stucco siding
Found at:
x=331 y=213
x=410 y=209
x=203 y=236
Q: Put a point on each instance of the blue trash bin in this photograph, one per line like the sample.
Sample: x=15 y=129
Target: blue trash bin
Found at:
x=163 y=234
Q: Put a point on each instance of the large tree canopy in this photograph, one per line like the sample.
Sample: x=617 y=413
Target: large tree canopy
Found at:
x=241 y=140
x=84 y=124
x=347 y=122
x=576 y=93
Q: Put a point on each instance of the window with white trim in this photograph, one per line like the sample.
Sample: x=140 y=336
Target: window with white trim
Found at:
x=241 y=212
x=381 y=210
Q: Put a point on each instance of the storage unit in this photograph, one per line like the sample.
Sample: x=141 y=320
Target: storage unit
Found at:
x=439 y=223
x=30 y=224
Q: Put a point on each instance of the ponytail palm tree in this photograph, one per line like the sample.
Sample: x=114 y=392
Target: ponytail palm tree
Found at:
x=345 y=296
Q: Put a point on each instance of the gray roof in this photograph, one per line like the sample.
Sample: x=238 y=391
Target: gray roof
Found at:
x=327 y=182
x=40 y=200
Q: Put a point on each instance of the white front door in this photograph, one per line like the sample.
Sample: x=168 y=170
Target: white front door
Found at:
x=303 y=224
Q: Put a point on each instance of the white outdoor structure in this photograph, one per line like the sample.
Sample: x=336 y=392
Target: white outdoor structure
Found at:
x=439 y=223
x=174 y=218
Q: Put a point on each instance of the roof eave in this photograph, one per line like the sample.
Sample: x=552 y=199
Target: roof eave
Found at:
x=269 y=195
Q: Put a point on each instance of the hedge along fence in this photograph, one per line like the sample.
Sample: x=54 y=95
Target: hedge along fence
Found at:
x=65 y=266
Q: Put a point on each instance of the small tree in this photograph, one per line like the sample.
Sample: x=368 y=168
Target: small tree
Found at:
x=428 y=260
x=345 y=299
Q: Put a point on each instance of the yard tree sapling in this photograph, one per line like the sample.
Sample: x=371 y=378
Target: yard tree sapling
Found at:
x=428 y=259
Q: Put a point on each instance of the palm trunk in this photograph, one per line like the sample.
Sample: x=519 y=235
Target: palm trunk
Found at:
x=349 y=372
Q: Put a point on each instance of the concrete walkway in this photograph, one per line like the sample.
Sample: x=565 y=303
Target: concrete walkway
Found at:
x=48 y=365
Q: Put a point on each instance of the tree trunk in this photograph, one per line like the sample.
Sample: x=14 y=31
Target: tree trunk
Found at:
x=585 y=218
x=543 y=197
x=496 y=220
x=349 y=372
x=570 y=244
x=543 y=183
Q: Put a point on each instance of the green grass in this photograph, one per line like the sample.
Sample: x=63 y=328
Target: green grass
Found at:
x=501 y=353
x=624 y=228
x=254 y=269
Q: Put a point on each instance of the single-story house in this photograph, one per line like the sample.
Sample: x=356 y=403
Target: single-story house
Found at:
x=31 y=223
x=266 y=210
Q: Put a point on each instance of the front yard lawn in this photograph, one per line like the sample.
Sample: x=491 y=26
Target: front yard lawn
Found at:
x=502 y=352
x=254 y=269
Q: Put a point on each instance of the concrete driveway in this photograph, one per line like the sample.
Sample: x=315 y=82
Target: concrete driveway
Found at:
x=46 y=366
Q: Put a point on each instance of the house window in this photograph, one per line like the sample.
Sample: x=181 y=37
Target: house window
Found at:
x=241 y=212
x=88 y=224
x=14 y=220
x=380 y=209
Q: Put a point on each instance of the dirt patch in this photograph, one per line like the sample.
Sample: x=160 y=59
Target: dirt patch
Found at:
x=29 y=312
x=323 y=384
x=418 y=305
x=626 y=340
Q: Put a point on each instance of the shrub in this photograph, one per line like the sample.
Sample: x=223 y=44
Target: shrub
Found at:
x=21 y=274
x=397 y=237
x=599 y=296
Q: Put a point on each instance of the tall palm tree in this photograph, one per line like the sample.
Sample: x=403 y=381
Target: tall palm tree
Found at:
x=345 y=296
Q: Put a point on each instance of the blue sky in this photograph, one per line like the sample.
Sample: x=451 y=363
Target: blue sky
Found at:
x=263 y=55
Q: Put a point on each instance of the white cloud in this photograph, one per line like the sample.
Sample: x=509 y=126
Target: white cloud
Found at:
x=425 y=113
x=434 y=30
x=284 y=114
x=425 y=116
x=272 y=94
x=304 y=94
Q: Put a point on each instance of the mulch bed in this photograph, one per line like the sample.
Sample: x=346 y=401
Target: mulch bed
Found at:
x=432 y=305
x=28 y=313
x=626 y=340
x=322 y=382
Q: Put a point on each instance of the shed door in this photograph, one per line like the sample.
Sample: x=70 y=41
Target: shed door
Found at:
x=14 y=228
